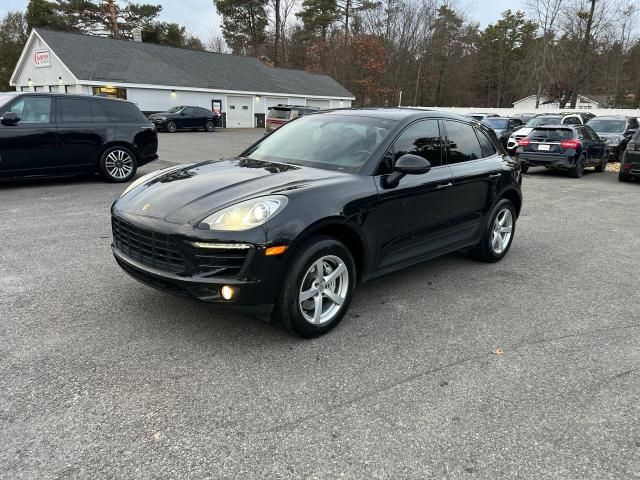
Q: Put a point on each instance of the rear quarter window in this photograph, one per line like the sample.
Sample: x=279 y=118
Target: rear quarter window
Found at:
x=124 y=112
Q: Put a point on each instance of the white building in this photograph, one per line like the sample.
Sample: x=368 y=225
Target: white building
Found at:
x=585 y=102
x=157 y=78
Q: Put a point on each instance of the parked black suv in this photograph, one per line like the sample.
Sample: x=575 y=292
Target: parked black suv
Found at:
x=630 y=160
x=616 y=131
x=184 y=117
x=569 y=148
x=53 y=134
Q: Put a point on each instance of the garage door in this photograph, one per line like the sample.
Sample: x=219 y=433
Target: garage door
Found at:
x=323 y=104
x=273 y=101
x=239 y=112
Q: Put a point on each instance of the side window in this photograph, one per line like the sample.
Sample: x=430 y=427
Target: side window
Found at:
x=462 y=141
x=485 y=144
x=584 y=131
x=190 y=111
x=591 y=132
x=74 y=110
x=33 y=109
x=423 y=139
x=120 y=111
x=571 y=121
x=97 y=114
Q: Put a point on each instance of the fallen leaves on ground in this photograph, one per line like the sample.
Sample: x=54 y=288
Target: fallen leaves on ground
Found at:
x=497 y=351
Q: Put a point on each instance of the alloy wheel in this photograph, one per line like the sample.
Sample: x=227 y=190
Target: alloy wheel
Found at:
x=209 y=127
x=502 y=231
x=171 y=127
x=323 y=290
x=119 y=164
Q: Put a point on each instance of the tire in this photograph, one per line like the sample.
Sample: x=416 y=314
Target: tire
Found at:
x=209 y=126
x=118 y=164
x=624 y=177
x=171 y=126
x=503 y=213
x=299 y=315
x=578 y=170
x=524 y=169
x=603 y=164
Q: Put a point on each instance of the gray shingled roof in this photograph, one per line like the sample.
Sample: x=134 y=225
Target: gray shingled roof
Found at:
x=107 y=59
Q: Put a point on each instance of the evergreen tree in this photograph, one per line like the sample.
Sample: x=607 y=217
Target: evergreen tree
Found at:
x=243 y=24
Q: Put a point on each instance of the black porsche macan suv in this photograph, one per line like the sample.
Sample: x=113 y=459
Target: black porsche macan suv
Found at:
x=58 y=134
x=326 y=201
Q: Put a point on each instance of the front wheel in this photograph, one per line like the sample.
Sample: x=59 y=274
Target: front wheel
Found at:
x=118 y=164
x=498 y=233
x=603 y=164
x=317 y=288
x=623 y=176
x=171 y=127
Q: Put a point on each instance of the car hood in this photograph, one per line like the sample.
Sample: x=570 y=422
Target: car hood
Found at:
x=523 y=131
x=611 y=137
x=189 y=194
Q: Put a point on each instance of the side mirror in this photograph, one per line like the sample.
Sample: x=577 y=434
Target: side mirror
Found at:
x=407 y=164
x=631 y=132
x=10 y=118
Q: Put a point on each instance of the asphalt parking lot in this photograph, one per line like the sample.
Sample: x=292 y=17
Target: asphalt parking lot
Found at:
x=102 y=377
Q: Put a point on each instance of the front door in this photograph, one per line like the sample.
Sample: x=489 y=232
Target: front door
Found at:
x=29 y=146
x=593 y=144
x=476 y=166
x=414 y=216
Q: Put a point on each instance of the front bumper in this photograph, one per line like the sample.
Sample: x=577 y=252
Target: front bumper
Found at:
x=172 y=263
x=563 y=162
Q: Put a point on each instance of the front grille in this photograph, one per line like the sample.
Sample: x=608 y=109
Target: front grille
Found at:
x=220 y=262
x=153 y=249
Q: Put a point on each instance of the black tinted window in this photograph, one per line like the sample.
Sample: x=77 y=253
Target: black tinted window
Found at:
x=33 y=109
x=463 y=143
x=74 y=110
x=423 y=139
x=97 y=114
x=572 y=121
x=124 y=112
x=485 y=144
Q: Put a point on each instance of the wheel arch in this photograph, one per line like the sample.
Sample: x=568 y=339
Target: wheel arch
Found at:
x=343 y=231
x=515 y=197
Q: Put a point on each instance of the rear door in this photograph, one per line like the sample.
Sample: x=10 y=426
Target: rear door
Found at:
x=476 y=166
x=30 y=146
x=592 y=143
x=80 y=139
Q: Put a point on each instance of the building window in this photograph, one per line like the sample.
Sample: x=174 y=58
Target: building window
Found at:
x=111 y=92
x=24 y=89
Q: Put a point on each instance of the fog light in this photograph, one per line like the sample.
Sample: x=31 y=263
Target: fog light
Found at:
x=227 y=292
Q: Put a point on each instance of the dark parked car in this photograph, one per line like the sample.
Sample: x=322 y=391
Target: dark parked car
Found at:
x=480 y=116
x=57 y=134
x=524 y=117
x=553 y=119
x=503 y=127
x=569 y=148
x=630 y=160
x=184 y=117
x=281 y=114
x=616 y=131
x=325 y=202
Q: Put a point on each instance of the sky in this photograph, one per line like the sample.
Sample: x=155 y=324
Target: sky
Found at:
x=202 y=20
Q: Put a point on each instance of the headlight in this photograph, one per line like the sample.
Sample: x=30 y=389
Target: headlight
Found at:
x=246 y=215
x=149 y=176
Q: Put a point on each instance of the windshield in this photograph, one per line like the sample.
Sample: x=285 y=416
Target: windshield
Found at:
x=537 y=121
x=175 y=109
x=608 y=126
x=334 y=142
x=5 y=98
x=496 y=122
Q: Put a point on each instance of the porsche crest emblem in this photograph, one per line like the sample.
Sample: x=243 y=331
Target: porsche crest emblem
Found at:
x=146 y=206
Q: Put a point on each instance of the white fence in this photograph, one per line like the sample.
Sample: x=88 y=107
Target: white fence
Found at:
x=507 y=112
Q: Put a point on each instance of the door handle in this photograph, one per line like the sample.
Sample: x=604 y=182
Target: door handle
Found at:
x=445 y=185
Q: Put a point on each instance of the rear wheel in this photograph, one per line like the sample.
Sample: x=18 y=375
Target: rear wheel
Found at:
x=623 y=176
x=317 y=288
x=171 y=126
x=118 y=164
x=498 y=233
x=578 y=170
x=209 y=126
